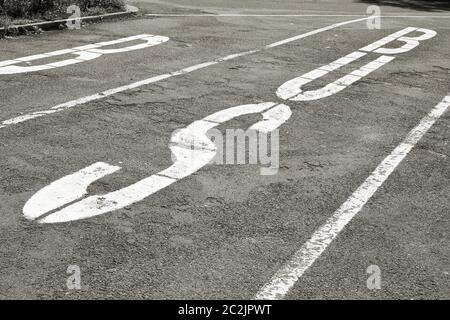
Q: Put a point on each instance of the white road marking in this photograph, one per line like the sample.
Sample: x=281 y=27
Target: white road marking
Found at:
x=232 y=15
x=273 y=118
x=10 y=67
x=410 y=42
x=190 y=147
x=292 y=89
x=332 y=88
x=84 y=53
x=101 y=95
x=392 y=37
x=65 y=190
x=237 y=15
x=285 y=278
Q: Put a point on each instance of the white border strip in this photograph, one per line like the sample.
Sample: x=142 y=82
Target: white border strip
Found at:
x=285 y=278
x=101 y=95
x=236 y=15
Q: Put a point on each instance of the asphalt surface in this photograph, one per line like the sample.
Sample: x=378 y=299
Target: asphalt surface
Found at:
x=224 y=231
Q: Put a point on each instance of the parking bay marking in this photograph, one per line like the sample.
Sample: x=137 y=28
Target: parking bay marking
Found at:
x=286 y=277
x=106 y=93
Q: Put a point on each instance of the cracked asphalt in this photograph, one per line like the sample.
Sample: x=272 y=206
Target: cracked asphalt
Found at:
x=224 y=231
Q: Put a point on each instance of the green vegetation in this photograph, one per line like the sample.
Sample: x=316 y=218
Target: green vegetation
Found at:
x=53 y=9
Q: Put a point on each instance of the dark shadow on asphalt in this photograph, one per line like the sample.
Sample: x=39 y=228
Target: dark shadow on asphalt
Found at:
x=423 y=5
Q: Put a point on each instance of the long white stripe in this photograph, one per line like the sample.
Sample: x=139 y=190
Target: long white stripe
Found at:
x=232 y=15
x=101 y=95
x=285 y=278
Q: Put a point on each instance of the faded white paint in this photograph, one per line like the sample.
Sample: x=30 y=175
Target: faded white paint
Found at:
x=272 y=119
x=65 y=190
x=292 y=89
x=239 y=15
x=410 y=42
x=106 y=93
x=191 y=150
x=83 y=53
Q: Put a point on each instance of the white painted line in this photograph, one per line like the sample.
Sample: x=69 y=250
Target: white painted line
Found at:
x=382 y=42
x=273 y=119
x=191 y=148
x=237 y=15
x=84 y=53
x=344 y=82
x=285 y=278
x=232 y=15
x=410 y=42
x=101 y=95
x=66 y=190
x=292 y=89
